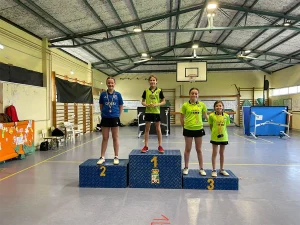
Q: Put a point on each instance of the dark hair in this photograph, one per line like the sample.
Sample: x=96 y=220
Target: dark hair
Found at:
x=193 y=89
x=153 y=77
x=217 y=103
x=110 y=78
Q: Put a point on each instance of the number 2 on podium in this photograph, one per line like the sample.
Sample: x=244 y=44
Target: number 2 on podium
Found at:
x=154 y=160
x=102 y=174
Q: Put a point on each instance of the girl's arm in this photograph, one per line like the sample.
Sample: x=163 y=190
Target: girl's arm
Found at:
x=144 y=103
x=121 y=109
x=182 y=120
x=162 y=102
x=101 y=107
x=205 y=115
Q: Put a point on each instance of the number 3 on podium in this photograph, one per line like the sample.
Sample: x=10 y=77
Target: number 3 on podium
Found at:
x=211 y=185
x=154 y=160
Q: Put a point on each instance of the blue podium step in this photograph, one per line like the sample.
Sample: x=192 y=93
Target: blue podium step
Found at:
x=106 y=175
x=155 y=170
x=195 y=181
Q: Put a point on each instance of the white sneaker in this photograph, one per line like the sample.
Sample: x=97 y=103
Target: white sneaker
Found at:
x=224 y=173
x=116 y=161
x=101 y=161
x=214 y=173
x=185 y=171
x=202 y=172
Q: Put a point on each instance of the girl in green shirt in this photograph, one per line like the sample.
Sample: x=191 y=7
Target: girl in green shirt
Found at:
x=191 y=121
x=219 y=137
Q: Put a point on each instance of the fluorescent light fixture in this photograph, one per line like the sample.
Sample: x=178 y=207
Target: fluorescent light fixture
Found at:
x=144 y=54
x=247 y=51
x=1 y=46
x=137 y=29
x=212 y=6
x=195 y=45
x=101 y=82
x=287 y=23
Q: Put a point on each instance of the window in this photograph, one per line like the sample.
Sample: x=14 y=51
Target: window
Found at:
x=293 y=90
x=284 y=91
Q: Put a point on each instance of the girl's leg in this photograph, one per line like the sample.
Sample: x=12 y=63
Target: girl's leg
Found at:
x=158 y=132
x=214 y=156
x=187 y=151
x=198 y=143
x=115 y=136
x=105 y=137
x=147 y=129
x=222 y=149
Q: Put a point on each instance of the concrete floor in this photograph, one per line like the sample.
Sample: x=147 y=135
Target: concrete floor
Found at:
x=43 y=188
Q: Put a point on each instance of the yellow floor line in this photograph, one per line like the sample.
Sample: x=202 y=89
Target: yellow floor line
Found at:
x=245 y=138
x=4 y=178
x=266 y=140
x=75 y=162
x=245 y=164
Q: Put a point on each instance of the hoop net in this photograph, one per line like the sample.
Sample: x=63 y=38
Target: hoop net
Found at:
x=192 y=77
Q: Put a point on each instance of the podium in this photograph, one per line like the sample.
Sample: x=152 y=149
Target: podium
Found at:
x=195 y=181
x=155 y=170
x=106 y=175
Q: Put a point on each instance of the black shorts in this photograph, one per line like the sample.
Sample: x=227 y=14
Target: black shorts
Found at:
x=151 y=117
x=193 y=133
x=219 y=143
x=110 y=122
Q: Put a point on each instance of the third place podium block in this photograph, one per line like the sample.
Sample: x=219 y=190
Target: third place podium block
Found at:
x=195 y=181
x=155 y=170
x=106 y=175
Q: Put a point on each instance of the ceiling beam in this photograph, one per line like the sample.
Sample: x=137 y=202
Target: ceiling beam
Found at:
x=295 y=53
x=180 y=30
x=174 y=70
x=237 y=23
x=129 y=24
x=57 y=25
x=245 y=61
x=274 y=23
x=260 y=12
x=141 y=63
x=103 y=24
x=203 y=44
x=138 y=19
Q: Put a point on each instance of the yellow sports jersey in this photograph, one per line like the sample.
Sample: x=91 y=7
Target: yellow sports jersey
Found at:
x=193 y=115
x=219 y=123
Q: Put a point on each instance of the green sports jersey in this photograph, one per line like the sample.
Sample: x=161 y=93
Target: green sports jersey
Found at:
x=153 y=98
x=193 y=115
x=219 y=124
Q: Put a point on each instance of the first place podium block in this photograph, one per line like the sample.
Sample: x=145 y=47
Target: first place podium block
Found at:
x=155 y=170
x=106 y=175
x=195 y=181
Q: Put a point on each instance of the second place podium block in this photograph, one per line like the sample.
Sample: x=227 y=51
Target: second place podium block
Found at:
x=155 y=170
x=106 y=175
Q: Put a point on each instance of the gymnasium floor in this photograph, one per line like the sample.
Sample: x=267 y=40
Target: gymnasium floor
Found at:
x=43 y=188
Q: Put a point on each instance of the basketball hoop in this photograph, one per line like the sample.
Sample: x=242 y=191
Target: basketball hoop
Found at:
x=192 y=77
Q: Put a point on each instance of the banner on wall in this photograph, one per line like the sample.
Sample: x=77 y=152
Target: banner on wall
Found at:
x=72 y=92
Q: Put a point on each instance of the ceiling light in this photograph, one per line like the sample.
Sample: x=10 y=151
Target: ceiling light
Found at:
x=71 y=72
x=137 y=29
x=287 y=23
x=1 y=46
x=144 y=54
x=247 y=51
x=195 y=45
x=212 y=6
